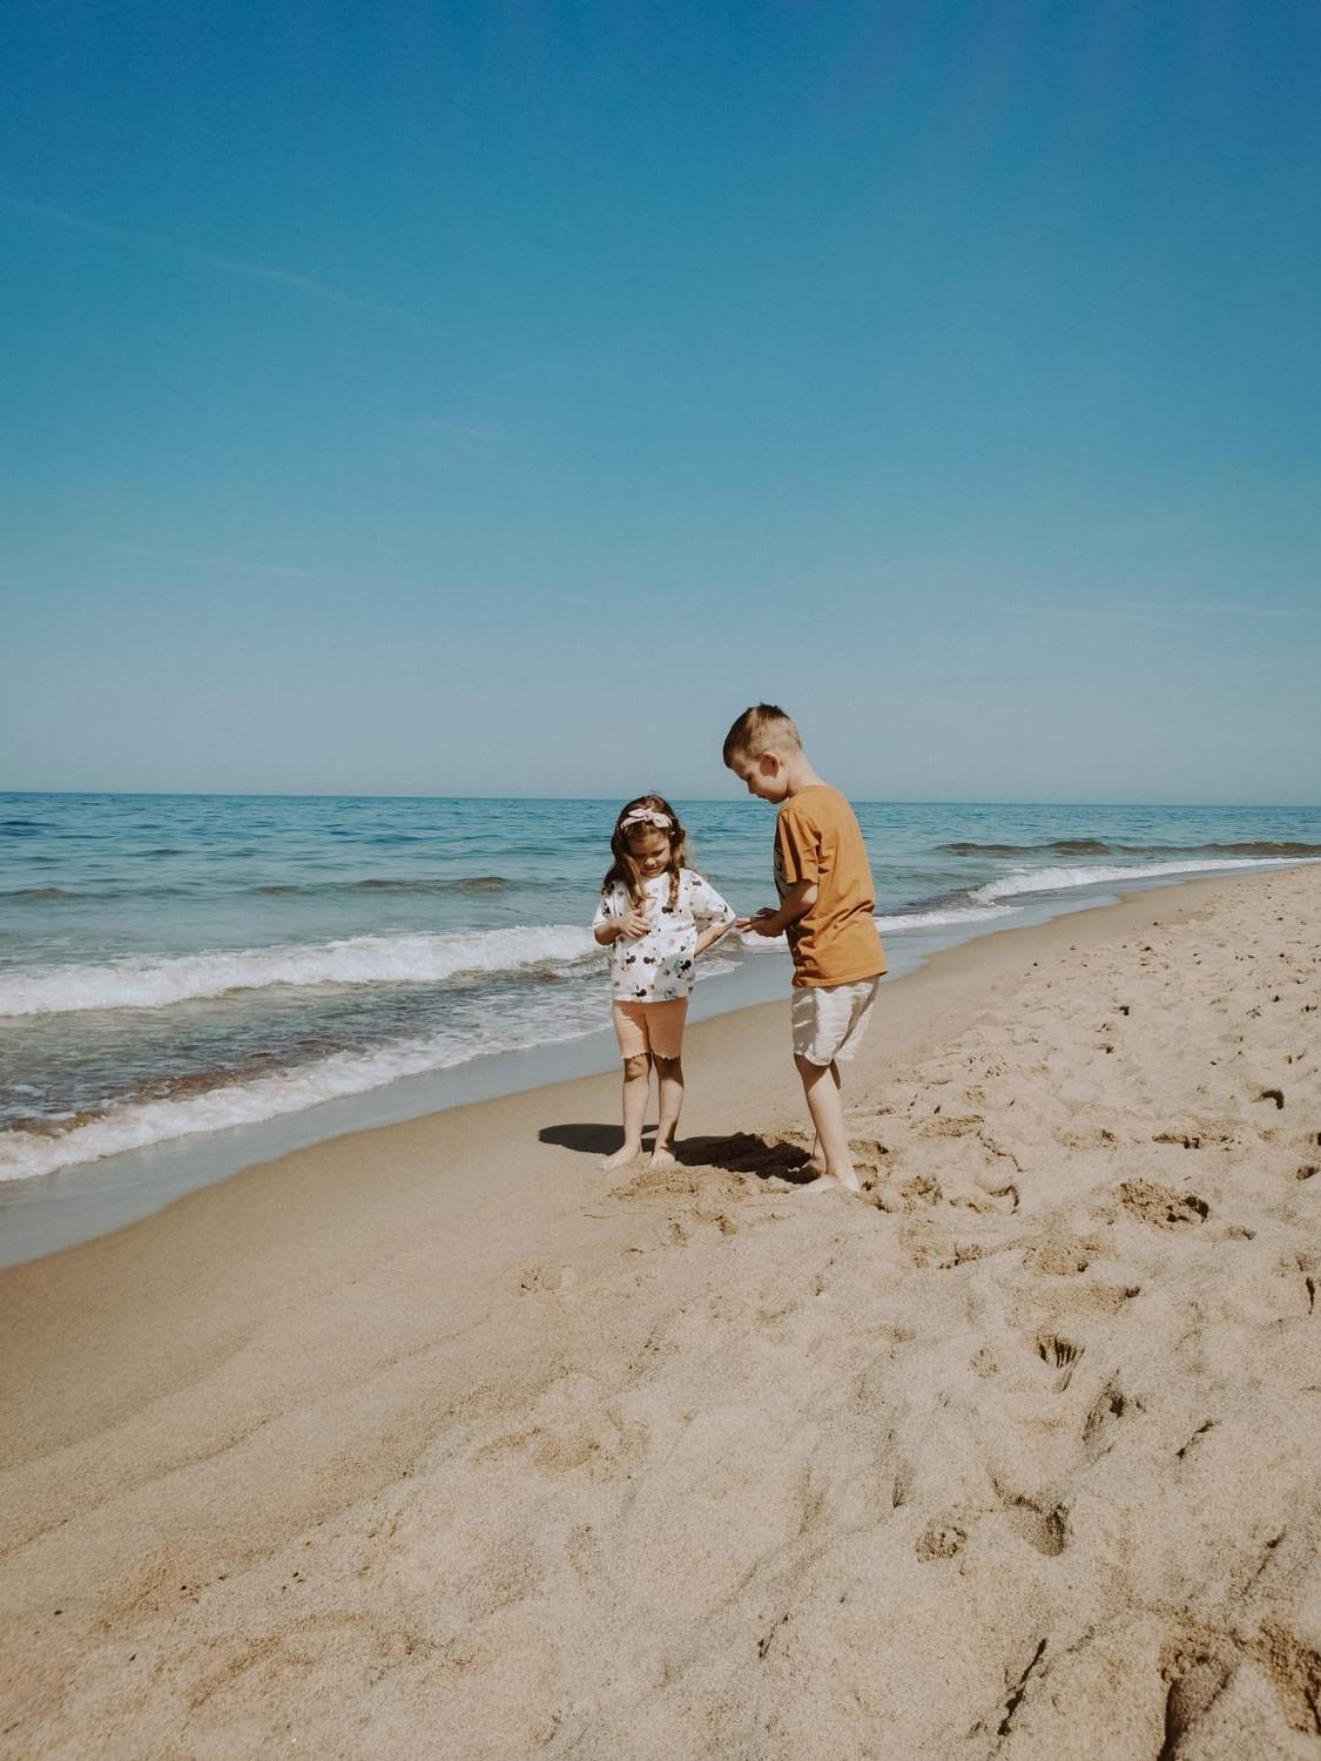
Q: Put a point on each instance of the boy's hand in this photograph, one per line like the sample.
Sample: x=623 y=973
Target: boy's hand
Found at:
x=763 y=924
x=633 y=925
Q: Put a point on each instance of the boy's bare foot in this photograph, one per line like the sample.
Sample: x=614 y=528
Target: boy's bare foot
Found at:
x=662 y=1158
x=847 y=1182
x=626 y=1153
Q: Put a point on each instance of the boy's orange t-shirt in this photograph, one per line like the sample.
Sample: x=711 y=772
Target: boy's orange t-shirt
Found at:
x=817 y=839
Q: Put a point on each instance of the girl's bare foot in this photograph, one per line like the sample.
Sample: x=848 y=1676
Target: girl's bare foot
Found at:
x=626 y=1153
x=662 y=1157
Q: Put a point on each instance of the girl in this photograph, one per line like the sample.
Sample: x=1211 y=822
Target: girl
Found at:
x=651 y=906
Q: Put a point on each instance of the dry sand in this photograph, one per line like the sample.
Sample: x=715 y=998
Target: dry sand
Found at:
x=439 y=1442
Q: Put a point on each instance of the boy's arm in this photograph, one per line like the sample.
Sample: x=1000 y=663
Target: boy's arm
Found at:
x=797 y=902
x=797 y=840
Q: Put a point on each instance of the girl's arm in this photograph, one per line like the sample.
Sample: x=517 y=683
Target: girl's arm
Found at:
x=633 y=925
x=708 y=903
x=601 y=922
x=709 y=937
x=607 y=927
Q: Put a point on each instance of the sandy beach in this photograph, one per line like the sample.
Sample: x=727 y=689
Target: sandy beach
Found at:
x=438 y=1441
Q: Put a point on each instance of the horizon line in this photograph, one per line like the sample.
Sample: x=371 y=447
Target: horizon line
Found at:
x=700 y=800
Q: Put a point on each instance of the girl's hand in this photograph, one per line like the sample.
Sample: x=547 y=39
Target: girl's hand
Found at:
x=632 y=925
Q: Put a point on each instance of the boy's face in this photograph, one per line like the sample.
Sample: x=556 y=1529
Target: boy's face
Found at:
x=764 y=776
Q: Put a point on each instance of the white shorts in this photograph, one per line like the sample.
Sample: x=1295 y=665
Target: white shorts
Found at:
x=829 y=1020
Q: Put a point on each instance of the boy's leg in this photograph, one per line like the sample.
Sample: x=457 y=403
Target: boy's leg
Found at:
x=826 y=1105
x=816 y=1162
x=829 y=1024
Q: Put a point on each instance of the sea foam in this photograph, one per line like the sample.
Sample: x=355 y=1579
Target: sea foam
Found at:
x=138 y=1124
x=949 y=917
x=1053 y=880
x=137 y=983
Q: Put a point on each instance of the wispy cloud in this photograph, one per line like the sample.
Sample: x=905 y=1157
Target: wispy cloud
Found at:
x=490 y=447
x=1228 y=608
x=1110 y=614
x=1164 y=614
x=198 y=258
x=470 y=440
x=254 y=567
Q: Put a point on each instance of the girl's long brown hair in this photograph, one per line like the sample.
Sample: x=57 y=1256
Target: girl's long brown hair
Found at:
x=624 y=868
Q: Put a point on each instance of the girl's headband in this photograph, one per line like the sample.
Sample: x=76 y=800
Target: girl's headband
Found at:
x=647 y=816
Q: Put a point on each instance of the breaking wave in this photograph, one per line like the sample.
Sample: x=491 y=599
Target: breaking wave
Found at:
x=1054 y=880
x=136 y=983
x=1100 y=847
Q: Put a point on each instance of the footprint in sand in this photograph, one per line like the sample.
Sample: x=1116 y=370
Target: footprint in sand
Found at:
x=941 y=1539
x=1161 y=1206
x=1202 y=1429
x=1196 y=1674
x=984 y=1363
x=916 y=1193
x=1059 y=1256
x=951 y=1127
x=1196 y=1138
x=1059 y=1354
x=1087 y=1140
x=1045 y=1527
x=901 y=1488
x=603 y=1444
x=1102 y=1416
x=555 y=1280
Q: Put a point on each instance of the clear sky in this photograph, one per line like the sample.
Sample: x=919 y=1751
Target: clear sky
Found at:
x=495 y=398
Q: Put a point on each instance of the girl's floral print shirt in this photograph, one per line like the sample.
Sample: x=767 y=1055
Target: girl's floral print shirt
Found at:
x=658 y=967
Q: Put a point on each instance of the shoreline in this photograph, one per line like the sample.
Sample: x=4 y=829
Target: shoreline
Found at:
x=49 y=1213
x=436 y=1427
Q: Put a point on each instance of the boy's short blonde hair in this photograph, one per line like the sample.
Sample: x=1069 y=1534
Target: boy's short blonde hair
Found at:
x=763 y=728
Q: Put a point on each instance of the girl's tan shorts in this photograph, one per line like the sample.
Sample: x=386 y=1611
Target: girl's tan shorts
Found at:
x=650 y=1027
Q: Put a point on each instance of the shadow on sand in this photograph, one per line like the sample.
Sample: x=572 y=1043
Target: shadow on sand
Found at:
x=739 y=1153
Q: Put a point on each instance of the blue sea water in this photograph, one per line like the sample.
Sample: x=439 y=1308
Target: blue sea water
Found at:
x=178 y=965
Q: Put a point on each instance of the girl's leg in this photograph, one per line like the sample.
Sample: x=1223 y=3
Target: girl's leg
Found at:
x=630 y=1031
x=665 y=1024
x=636 y=1071
x=669 y=1074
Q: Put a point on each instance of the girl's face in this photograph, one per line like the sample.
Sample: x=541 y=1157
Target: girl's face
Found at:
x=650 y=849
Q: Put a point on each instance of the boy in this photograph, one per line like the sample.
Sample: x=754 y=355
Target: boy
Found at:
x=827 y=902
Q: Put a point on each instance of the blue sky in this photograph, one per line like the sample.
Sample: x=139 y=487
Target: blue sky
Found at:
x=496 y=398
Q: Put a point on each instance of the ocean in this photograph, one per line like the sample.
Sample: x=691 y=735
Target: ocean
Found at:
x=174 y=966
